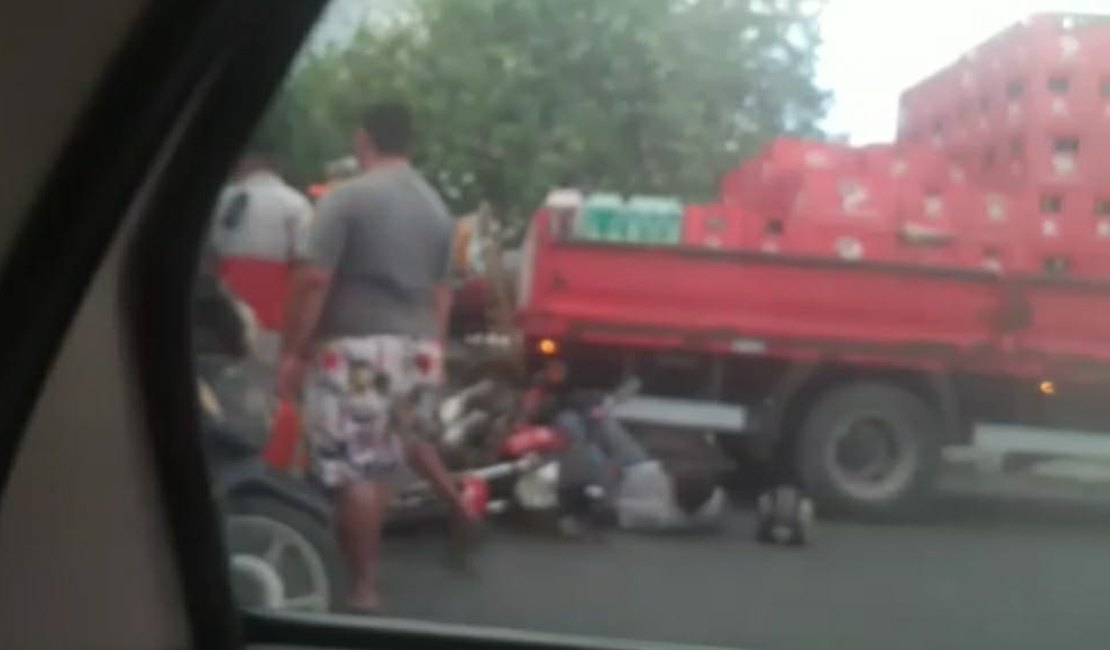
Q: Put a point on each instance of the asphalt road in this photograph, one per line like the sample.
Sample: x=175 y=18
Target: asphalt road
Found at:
x=982 y=573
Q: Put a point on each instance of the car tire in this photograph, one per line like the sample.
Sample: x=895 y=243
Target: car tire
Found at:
x=298 y=549
x=907 y=442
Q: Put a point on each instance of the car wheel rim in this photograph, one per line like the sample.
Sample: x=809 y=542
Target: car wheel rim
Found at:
x=869 y=458
x=257 y=584
x=263 y=548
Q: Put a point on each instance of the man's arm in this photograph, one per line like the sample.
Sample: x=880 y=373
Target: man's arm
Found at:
x=308 y=282
x=316 y=252
x=303 y=307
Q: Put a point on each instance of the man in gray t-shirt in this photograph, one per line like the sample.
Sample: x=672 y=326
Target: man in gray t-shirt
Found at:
x=365 y=328
x=386 y=237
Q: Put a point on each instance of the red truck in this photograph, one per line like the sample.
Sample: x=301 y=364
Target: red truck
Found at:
x=849 y=374
x=844 y=314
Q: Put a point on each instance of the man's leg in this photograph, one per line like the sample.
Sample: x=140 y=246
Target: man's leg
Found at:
x=358 y=522
x=425 y=459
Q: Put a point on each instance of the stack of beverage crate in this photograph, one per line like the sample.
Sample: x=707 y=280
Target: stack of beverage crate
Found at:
x=1027 y=116
x=1002 y=162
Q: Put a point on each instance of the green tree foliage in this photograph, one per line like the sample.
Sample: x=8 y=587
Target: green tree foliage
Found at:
x=516 y=96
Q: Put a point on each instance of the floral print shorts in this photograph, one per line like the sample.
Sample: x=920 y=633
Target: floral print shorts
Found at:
x=364 y=398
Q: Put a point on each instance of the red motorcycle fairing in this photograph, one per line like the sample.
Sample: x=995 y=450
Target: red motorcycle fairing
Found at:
x=532 y=439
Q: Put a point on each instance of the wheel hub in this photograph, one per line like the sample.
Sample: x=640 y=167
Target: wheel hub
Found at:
x=275 y=566
x=869 y=458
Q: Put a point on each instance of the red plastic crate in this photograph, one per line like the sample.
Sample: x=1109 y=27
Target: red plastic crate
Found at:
x=1001 y=258
x=762 y=234
x=796 y=154
x=930 y=224
x=942 y=253
x=1057 y=225
x=839 y=241
x=1040 y=73
x=738 y=182
x=1047 y=41
x=842 y=198
x=910 y=163
x=940 y=210
x=767 y=182
x=714 y=226
x=992 y=217
x=838 y=216
x=945 y=110
x=1093 y=253
x=1065 y=99
x=991 y=231
x=771 y=196
x=1071 y=157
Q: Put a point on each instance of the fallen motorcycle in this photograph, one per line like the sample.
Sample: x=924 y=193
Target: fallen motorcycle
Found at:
x=538 y=472
x=568 y=465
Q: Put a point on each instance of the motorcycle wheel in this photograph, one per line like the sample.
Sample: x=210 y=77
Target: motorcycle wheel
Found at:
x=282 y=557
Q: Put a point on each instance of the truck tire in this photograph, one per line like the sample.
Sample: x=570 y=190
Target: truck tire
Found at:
x=869 y=450
x=282 y=557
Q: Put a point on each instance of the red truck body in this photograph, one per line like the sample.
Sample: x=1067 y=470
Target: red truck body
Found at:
x=846 y=313
x=808 y=308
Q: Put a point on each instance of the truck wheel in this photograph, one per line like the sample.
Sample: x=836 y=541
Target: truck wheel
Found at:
x=869 y=450
x=282 y=557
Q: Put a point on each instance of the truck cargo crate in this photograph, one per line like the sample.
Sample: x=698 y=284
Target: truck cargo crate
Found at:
x=907 y=162
x=1041 y=73
x=793 y=153
x=1066 y=101
x=840 y=241
x=1058 y=222
x=1000 y=257
x=715 y=225
x=843 y=198
x=992 y=217
x=1057 y=156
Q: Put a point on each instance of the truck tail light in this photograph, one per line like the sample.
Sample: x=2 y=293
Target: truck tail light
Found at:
x=547 y=347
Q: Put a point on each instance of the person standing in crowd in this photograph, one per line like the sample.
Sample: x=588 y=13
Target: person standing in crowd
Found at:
x=365 y=335
x=257 y=232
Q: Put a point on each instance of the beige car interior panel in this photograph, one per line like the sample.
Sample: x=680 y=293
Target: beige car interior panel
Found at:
x=50 y=89
x=84 y=550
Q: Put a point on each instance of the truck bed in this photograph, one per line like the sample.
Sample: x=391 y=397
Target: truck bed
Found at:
x=814 y=308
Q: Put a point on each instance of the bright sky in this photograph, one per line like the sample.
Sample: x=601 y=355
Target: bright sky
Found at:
x=875 y=48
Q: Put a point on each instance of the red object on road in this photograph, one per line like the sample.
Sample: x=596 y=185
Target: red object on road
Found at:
x=475 y=494
x=281 y=448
